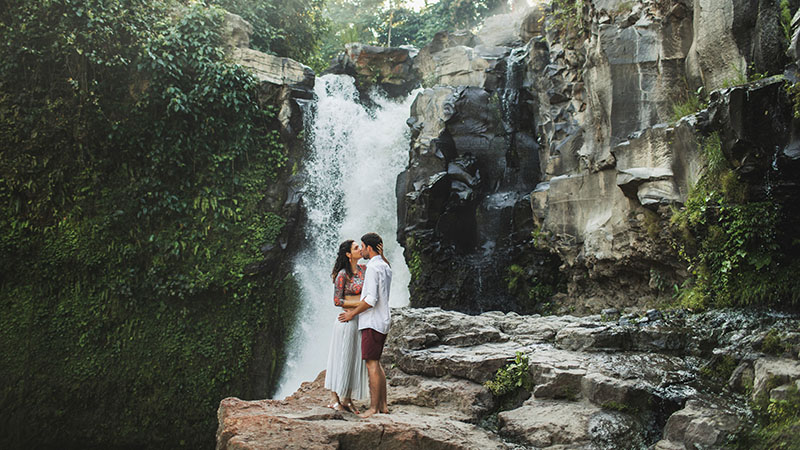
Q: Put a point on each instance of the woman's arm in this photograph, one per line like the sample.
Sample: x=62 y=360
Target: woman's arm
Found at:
x=338 y=289
x=351 y=301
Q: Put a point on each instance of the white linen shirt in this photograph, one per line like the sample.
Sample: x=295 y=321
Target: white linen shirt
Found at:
x=377 y=282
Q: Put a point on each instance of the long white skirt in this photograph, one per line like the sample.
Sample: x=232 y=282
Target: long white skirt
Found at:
x=346 y=372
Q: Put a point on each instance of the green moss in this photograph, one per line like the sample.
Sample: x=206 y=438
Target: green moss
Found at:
x=691 y=105
x=652 y=224
x=415 y=266
x=567 y=19
x=719 y=369
x=774 y=343
x=621 y=407
x=786 y=19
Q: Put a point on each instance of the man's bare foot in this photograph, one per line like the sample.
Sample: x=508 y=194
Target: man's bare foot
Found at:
x=385 y=411
x=368 y=413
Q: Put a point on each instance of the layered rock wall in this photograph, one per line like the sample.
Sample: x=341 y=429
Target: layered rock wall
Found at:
x=578 y=127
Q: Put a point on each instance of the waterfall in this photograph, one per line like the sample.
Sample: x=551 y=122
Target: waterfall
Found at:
x=354 y=158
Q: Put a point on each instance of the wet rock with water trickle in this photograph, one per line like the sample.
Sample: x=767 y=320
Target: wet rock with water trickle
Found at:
x=599 y=382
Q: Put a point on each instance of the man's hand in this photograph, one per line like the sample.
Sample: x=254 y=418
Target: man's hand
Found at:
x=347 y=316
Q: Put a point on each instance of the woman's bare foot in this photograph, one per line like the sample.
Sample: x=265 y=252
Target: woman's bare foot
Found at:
x=334 y=402
x=368 y=413
x=348 y=405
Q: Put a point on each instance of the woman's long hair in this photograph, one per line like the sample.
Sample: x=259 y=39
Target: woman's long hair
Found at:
x=342 y=261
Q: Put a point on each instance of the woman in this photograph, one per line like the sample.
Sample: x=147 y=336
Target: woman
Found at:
x=346 y=374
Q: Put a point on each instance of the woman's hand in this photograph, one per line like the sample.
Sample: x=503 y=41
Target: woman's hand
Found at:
x=380 y=249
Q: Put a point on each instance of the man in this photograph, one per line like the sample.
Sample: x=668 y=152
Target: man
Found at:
x=374 y=319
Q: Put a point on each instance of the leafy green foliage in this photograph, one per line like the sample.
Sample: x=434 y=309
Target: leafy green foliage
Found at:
x=513 y=376
x=691 y=105
x=135 y=161
x=774 y=343
x=521 y=283
x=786 y=19
x=738 y=251
x=290 y=28
x=777 y=422
x=567 y=18
x=372 y=22
x=719 y=369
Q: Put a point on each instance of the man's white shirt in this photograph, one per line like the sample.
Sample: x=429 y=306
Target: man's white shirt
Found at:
x=377 y=283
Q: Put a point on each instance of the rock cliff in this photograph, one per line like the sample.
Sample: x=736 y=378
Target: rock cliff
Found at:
x=663 y=380
x=547 y=159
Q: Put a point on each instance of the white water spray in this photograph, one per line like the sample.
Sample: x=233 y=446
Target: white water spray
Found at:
x=351 y=171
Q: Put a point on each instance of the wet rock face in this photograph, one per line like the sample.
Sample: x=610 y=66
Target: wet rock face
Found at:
x=619 y=388
x=463 y=202
x=614 y=160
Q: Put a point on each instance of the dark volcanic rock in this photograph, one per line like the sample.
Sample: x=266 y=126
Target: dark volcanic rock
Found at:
x=463 y=203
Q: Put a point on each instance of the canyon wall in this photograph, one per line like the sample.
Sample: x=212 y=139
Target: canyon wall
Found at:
x=547 y=157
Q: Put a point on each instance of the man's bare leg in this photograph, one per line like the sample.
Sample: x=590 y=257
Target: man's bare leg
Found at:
x=383 y=407
x=373 y=370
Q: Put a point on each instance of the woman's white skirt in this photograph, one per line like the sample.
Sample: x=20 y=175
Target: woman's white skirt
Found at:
x=346 y=372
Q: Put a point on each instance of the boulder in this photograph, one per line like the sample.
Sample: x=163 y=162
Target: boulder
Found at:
x=770 y=373
x=702 y=424
x=590 y=337
x=283 y=81
x=463 y=202
x=629 y=395
x=456 y=398
x=236 y=31
x=389 y=68
x=274 y=69
x=547 y=423
x=552 y=382
x=460 y=65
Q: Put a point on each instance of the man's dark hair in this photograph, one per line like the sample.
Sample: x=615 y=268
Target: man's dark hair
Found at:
x=374 y=240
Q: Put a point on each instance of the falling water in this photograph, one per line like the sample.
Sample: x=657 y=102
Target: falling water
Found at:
x=355 y=157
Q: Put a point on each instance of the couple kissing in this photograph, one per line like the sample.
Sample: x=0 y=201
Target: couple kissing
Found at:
x=360 y=330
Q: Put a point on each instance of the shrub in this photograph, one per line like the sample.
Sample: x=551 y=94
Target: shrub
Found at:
x=738 y=251
x=513 y=376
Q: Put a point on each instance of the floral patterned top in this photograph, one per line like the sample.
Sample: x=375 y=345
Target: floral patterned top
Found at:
x=343 y=286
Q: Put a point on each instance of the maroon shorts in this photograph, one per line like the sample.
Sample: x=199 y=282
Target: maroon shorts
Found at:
x=371 y=344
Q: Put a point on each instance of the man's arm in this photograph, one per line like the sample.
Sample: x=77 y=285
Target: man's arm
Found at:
x=348 y=315
x=369 y=296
